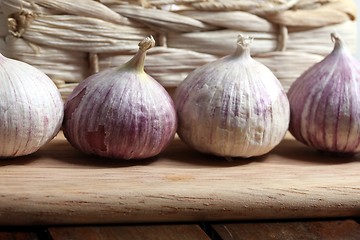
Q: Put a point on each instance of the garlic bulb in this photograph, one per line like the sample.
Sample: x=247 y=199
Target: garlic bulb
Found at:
x=232 y=107
x=325 y=102
x=31 y=108
x=121 y=112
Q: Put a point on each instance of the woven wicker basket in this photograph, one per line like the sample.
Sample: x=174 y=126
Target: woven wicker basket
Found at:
x=69 y=40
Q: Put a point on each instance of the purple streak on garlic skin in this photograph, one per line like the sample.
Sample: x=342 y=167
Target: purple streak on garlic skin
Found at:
x=324 y=103
x=120 y=114
x=232 y=107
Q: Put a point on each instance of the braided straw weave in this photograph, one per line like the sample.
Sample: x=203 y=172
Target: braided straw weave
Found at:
x=69 y=40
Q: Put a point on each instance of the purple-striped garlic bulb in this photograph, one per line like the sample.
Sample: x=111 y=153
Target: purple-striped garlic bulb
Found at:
x=324 y=103
x=232 y=107
x=121 y=112
x=31 y=108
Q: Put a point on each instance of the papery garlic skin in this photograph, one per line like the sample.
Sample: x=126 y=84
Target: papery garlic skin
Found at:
x=325 y=100
x=233 y=107
x=120 y=113
x=31 y=108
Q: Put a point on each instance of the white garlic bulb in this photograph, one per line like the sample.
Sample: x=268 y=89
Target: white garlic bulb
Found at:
x=31 y=108
x=233 y=107
x=325 y=102
x=121 y=112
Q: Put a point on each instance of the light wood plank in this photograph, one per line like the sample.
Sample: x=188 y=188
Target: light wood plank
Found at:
x=60 y=185
x=316 y=230
x=138 y=232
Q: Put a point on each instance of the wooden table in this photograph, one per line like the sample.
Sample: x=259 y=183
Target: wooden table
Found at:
x=292 y=193
x=329 y=229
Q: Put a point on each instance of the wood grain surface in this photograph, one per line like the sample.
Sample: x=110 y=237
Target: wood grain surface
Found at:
x=329 y=230
x=60 y=185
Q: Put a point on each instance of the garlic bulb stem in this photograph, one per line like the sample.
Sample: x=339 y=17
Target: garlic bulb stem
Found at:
x=339 y=45
x=146 y=43
x=243 y=46
x=137 y=62
x=337 y=40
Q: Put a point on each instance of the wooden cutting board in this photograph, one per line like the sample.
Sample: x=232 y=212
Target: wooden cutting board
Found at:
x=60 y=185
